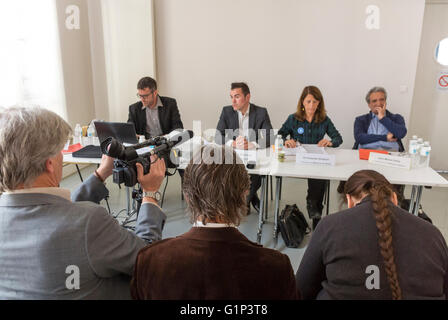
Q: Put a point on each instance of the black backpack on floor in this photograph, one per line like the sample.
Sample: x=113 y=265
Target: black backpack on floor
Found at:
x=293 y=226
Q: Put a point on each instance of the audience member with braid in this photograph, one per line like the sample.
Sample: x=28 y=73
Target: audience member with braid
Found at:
x=374 y=249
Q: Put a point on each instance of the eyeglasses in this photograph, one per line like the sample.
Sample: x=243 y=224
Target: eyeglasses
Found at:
x=145 y=95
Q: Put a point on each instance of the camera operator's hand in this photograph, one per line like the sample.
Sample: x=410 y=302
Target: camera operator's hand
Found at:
x=151 y=182
x=105 y=168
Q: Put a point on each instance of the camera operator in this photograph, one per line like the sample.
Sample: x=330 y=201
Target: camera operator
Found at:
x=51 y=247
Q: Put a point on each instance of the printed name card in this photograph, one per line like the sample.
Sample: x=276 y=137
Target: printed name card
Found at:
x=314 y=158
x=390 y=160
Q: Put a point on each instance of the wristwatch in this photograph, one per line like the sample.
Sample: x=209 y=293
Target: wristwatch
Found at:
x=156 y=195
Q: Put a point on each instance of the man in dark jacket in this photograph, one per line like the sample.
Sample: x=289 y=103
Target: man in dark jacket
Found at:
x=153 y=115
x=379 y=129
x=243 y=125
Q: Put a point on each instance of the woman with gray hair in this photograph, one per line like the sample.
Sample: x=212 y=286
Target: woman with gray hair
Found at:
x=213 y=260
x=51 y=247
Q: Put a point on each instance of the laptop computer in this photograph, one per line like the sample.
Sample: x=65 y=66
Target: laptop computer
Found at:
x=122 y=131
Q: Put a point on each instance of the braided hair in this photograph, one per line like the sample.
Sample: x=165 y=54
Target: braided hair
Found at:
x=373 y=184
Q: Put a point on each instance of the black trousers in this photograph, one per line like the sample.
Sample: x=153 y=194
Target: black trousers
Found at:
x=255 y=184
x=315 y=197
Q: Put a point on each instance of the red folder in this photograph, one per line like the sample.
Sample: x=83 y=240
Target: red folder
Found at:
x=365 y=153
x=72 y=148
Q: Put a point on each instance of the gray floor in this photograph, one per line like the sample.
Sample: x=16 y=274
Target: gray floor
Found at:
x=434 y=202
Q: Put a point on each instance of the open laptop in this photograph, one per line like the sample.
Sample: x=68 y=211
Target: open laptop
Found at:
x=122 y=131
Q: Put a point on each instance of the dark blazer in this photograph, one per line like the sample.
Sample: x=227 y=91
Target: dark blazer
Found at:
x=210 y=264
x=258 y=121
x=393 y=122
x=169 y=116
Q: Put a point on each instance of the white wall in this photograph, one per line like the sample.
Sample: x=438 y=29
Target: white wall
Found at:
x=129 y=51
x=280 y=46
x=104 y=59
x=429 y=108
x=76 y=64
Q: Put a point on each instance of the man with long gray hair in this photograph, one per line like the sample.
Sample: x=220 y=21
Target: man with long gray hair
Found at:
x=213 y=260
x=51 y=247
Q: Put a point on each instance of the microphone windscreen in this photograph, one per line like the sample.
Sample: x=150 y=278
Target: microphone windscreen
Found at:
x=182 y=136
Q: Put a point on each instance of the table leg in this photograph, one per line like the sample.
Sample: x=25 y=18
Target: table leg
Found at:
x=276 y=209
x=79 y=172
x=328 y=197
x=266 y=202
x=412 y=200
x=417 y=200
x=262 y=208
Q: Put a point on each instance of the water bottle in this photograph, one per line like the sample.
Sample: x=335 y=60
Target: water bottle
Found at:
x=419 y=147
x=77 y=134
x=90 y=134
x=278 y=143
x=412 y=150
x=424 y=155
x=413 y=145
x=141 y=139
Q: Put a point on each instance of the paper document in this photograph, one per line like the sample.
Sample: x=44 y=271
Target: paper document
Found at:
x=291 y=151
x=312 y=148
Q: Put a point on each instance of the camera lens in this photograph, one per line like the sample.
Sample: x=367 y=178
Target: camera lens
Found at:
x=113 y=148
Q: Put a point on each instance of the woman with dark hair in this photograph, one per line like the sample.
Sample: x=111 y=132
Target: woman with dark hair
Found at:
x=374 y=249
x=309 y=125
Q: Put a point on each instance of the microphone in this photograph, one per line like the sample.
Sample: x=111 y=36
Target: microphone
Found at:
x=173 y=141
x=181 y=136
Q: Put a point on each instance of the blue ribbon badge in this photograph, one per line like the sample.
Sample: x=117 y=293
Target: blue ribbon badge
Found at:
x=300 y=130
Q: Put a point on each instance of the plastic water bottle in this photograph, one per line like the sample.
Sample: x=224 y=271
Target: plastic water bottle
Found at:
x=424 y=155
x=419 y=147
x=77 y=134
x=413 y=145
x=90 y=134
x=278 y=143
x=412 y=150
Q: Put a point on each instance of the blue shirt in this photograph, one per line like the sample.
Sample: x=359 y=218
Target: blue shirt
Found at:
x=376 y=127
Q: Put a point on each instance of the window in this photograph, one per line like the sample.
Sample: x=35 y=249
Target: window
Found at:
x=442 y=52
x=30 y=62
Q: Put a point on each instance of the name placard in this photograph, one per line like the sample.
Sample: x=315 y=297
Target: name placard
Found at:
x=390 y=160
x=314 y=158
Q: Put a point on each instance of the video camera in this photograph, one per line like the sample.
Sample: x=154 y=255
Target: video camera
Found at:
x=125 y=170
